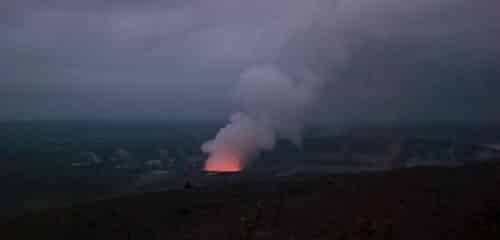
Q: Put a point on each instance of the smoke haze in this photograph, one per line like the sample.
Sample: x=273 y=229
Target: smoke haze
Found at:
x=377 y=59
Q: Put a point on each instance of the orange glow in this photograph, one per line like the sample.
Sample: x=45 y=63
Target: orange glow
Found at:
x=223 y=162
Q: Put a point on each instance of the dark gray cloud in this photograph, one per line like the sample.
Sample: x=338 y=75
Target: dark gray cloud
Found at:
x=379 y=59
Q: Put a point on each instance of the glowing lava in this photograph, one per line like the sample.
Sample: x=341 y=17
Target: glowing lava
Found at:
x=223 y=162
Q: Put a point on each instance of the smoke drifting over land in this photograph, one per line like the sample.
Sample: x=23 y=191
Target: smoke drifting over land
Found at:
x=273 y=106
x=332 y=41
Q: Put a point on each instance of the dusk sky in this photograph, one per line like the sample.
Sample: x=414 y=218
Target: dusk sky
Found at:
x=390 y=60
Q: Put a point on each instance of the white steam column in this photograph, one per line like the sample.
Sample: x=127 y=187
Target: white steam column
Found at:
x=273 y=106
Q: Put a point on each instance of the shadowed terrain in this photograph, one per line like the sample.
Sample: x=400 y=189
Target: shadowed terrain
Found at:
x=418 y=203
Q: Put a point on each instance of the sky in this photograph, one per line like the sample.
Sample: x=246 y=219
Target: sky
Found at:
x=383 y=60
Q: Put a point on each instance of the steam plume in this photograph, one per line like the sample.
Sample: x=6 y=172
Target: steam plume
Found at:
x=273 y=105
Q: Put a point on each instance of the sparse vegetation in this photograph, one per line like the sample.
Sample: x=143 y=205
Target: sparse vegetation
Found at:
x=421 y=203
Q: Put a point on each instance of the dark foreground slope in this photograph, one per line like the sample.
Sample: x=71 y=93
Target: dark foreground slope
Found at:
x=425 y=203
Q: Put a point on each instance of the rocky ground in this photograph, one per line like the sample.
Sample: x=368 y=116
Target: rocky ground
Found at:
x=418 y=203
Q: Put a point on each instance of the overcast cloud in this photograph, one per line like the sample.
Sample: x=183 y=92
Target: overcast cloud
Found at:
x=379 y=59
